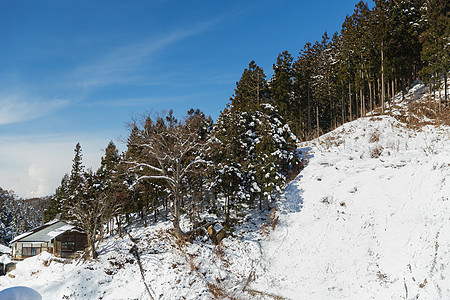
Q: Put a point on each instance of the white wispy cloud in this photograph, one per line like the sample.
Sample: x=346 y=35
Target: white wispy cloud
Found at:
x=33 y=166
x=121 y=65
x=139 y=101
x=19 y=107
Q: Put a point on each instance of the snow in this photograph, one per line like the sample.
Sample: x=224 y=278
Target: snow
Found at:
x=355 y=226
x=4 y=259
x=60 y=230
x=367 y=218
x=4 y=249
x=54 y=221
x=21 y=236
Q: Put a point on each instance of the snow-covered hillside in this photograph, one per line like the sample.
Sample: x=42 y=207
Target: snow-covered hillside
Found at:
x=370 y=219
x=367 y=218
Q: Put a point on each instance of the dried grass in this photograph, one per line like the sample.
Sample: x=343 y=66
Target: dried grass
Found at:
x=376 y=151
x=271 y=223
x=374 y=136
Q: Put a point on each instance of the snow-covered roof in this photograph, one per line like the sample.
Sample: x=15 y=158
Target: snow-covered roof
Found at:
x=45 y=233
x=60 y=230
x=52 y=222
x=4 y=249
x=21 y=236
x=5 y=259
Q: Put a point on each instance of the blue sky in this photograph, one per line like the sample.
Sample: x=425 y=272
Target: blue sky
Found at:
x=77 y=71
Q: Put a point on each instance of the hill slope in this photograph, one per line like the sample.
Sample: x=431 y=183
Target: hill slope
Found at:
x=372 y=217
x=367 y=218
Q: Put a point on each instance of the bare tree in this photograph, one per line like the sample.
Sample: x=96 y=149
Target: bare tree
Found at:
x=92 y=210
x=168 y=150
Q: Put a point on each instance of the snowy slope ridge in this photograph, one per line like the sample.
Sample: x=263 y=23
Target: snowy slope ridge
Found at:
x=373 y=218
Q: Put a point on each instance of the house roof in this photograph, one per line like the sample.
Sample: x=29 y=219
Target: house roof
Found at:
x=4 y=249
x=46 y=232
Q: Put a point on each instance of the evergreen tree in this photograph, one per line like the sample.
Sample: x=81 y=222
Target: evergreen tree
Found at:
x=7 y=230
x=253 y=141
x=434 y=38
x=251 y=90
x=281 y=86
x=302 y=71
x=75 y=183
x=56 y=204
x=108 y=167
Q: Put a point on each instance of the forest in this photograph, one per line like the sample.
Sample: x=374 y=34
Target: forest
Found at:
x=192 y=167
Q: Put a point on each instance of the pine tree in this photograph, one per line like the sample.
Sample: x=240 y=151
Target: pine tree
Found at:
x=56 y=205
x=254 y=140
x=281 y=86
x=251 y=90
x=434 y=38
x=75 y=183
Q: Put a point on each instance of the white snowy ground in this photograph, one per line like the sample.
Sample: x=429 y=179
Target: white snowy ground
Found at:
x=192 y=271
x=4 y=249
x=368 y=218
x=358 y=226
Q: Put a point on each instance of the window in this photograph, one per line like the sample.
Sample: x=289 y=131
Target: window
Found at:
x=67 y=246
x=30 y=251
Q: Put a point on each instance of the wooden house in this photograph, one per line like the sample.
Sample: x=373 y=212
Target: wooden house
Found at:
x=57 y=237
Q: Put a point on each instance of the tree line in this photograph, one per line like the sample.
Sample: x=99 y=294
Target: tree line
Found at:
x=379 y=52
x=19 y=215
x=181 y=167
x=186 y=167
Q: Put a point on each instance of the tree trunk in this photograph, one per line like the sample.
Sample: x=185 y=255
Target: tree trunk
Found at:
x=357 y=110
x=361 y=95
x=393 y=94
x=91 y=245
x=350 y=101
x=166 y=205
x=332 y=107
x=430 y=94
x=119 y=225
x=101 y=233
x=382 y=79
x=257 y=90
x=439 y=93
x=403 y=88
x=177 y=215
x=227 y=208
x=268 y=204
x=144 y=215
x=317 y=120
x=155 y=206
x=94 y=252
x=177 y=229
x=309 y=110
x=342 y=104
x=370 y=97
x=395 y=85
x=260 y=204
x=361 y=90
x=445 y=87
